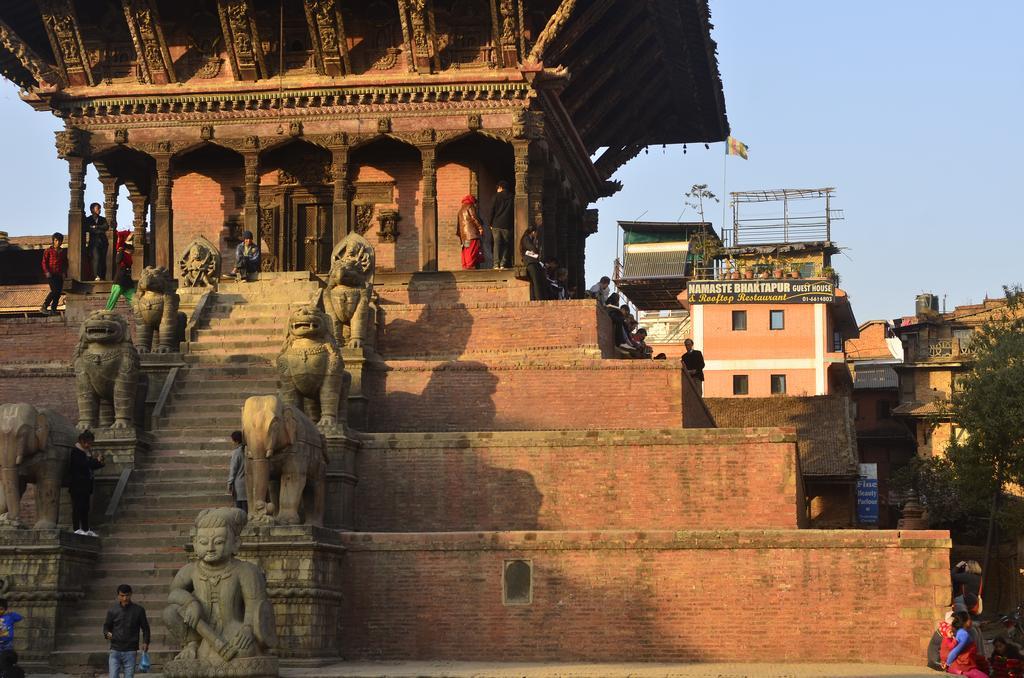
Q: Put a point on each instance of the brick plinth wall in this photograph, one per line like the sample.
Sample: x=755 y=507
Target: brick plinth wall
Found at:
x=764 y=596
x=582 y=480
x=528 y=394
x=525 y=328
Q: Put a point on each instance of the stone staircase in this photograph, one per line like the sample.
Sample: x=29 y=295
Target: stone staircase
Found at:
x=186 y=469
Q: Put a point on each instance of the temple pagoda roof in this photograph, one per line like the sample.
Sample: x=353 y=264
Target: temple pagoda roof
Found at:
x=624 y=73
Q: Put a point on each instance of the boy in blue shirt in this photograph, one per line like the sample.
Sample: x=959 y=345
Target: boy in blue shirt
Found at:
x=7 y=621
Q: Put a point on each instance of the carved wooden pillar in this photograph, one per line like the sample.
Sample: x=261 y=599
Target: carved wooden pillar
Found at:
x=110 y=186
x=163 y=218
x=251 y=212
x=139 y=204
x=342 y=193
x=521 y=149
x=428 y=225
x=76 y=215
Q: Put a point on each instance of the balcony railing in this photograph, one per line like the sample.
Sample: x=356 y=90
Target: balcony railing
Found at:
x=945 y=348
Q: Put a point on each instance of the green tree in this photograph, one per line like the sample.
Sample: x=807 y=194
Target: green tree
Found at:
x=964 y=490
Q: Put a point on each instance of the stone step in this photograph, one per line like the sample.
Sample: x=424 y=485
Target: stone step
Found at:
x=201 y=383
x=251 y=328
x=146 y=504
x=239 y=360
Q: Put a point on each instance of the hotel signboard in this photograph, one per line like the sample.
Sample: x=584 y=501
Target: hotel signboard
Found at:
x=796 y=291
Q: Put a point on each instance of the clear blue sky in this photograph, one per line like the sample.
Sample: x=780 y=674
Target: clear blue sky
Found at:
x=912 y=109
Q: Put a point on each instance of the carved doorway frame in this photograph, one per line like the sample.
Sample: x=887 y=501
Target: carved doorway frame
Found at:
x=285 y=208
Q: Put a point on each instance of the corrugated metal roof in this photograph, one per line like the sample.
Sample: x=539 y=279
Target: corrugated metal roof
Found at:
x=875 y=376
x=670 y=264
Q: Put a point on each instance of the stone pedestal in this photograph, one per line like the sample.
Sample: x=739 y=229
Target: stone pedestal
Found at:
x=355 y=361
x=43 y=574
x=303 y=568
x=341 y=481
x=157 y=368
x=120 y=450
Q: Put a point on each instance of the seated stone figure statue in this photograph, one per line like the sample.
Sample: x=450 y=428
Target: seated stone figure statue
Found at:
x=219 y=609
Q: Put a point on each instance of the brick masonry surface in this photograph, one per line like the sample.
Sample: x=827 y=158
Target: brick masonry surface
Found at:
x=527 y=328
x=768 y=596
x=584 y=480
x=528 y=394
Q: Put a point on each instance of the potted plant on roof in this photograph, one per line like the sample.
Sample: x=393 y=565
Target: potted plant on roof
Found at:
x=794 y=271
x=777 y=270
x=734 y=271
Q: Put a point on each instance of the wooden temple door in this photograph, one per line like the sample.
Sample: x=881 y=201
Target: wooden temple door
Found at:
x=313 y=237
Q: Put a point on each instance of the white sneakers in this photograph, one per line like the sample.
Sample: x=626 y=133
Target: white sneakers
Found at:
x=90 y=533
x=81 y=532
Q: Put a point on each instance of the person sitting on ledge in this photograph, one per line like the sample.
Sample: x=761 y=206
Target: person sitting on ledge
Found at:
x=247 y=259
x=600 y=290
x=529 y=248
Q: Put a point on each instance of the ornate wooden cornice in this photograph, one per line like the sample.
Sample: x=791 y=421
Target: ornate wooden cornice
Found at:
x=327 y=31
x=62 y=29
x=327 y=101
x=147 y=34
x=241 y=39
x=39 y=69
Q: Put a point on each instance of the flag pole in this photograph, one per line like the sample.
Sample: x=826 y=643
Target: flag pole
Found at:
x=725 y=185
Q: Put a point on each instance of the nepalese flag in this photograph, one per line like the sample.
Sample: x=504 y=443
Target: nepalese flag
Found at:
x=736 y=147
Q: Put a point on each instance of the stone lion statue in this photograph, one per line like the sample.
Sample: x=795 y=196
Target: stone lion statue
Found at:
x=312 y=370
x=200 y=265
x=156 y=311
x=348 y=297
x=106 y=372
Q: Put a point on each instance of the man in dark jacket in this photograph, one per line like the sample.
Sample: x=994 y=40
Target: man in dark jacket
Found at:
x=502 y=221
x=122 y=626
x=529 y=247
x=55 y=267
x=81 y=466
x=96 y=228
x=693 y=361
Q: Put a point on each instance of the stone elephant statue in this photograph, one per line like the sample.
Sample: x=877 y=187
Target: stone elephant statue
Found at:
x=35 y=445
x=282 y=443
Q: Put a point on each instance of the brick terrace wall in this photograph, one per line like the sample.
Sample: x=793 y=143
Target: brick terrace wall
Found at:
x=766 y=596
x=580 y=480
x=449 y=292
x=522 y=327
x=531 y=394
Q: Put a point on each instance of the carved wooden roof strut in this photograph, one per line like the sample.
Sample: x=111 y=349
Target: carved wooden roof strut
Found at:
x=43 y=72
x=148 y=38
x=554 y=26
x=241 y=39
x=575 y=31
x=327 y=32
x=65 y=36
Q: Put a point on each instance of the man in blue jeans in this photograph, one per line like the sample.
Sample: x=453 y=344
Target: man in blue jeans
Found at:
x=122 y=626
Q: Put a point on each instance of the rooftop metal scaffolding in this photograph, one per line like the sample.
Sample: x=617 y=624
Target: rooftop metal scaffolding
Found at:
x=806 y=216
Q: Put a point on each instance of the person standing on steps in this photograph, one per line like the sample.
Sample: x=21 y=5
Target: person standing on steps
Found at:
x=529 y=247
x=55 y=267
x=469 y=230
x=81 y=468
x=502 y=218
x=96 y=228
x=236 y=473
x=124 y=622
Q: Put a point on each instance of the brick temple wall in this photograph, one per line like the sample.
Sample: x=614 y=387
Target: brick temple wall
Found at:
x=766 y=596
x=580 y=480
x=203 y=201
x=524 y=328
x=524 y=394
x=403 y=167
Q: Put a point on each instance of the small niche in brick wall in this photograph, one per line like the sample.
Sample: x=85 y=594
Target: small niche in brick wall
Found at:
x=517 y=581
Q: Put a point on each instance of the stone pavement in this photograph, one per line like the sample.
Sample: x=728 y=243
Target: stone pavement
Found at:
x=442 y=669
x=537 y=670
